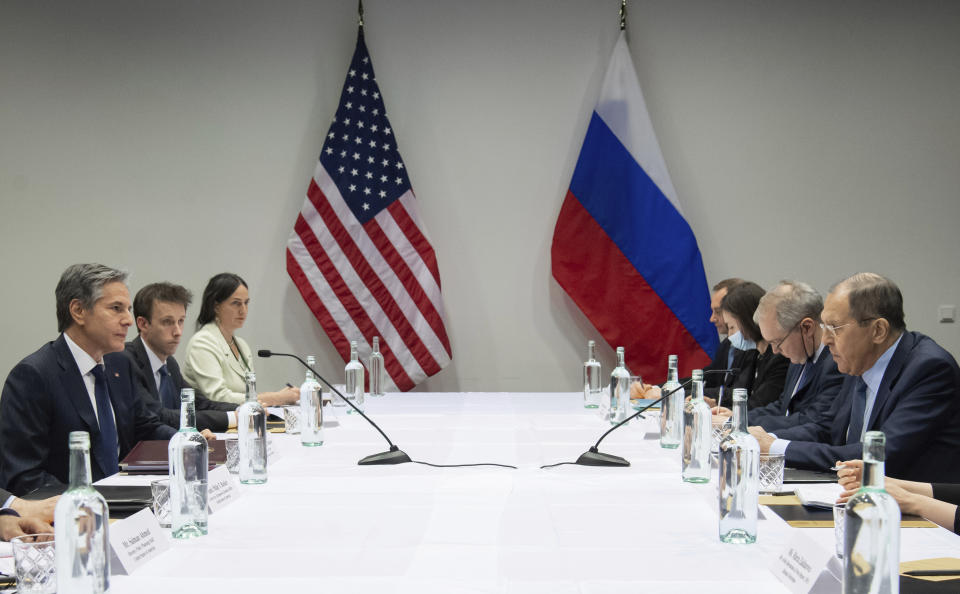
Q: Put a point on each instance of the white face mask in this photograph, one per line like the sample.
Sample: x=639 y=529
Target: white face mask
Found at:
x=738 y=342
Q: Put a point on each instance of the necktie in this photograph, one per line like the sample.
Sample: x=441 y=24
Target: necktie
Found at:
x=168 y=393
x=857 y=409
x=796 y=387
x=108 y=428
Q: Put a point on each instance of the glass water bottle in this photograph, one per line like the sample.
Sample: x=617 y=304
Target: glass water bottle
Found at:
x=619 y=391
x=189 y=462
x=311 y=409
x=252 y=441
x=81 y=521
x=592 y=390
x=671 y=408
x=353 y=373
x=697 y=430
x=871 y=547
x=739 y=478
x=376 y=369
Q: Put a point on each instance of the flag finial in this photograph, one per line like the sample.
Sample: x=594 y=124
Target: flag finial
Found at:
x=360 y=12
x=623 y=14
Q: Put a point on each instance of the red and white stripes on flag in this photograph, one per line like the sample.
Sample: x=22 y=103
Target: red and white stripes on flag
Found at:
x=358 y=252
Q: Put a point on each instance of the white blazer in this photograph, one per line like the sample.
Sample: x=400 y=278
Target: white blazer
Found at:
x=212 y=368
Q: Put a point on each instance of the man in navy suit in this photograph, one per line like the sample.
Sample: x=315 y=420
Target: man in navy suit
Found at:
x=789 y=319
x=160 y=310
x=78 y=382
x=901 y=383
x=723 y=358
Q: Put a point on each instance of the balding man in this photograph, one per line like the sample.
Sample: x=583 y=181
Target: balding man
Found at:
x=899 y=382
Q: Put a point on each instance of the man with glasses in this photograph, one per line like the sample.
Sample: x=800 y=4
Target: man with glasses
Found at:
x=789 y=319
x=899 y=382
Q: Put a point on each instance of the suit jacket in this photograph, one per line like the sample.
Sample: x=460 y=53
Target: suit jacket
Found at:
x=4 y=495
x=211 y=367
x=763 y=376
x=44 y=399
x=211 y=415
x=917 y=407
x=813 y=397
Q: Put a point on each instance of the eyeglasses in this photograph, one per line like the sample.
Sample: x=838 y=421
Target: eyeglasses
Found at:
x=834 y=330
x=776 y=343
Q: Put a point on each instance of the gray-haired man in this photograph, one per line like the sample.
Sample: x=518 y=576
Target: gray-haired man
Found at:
x=789 y=319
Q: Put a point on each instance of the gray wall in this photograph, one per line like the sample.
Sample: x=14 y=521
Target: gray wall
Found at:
x=175 y=139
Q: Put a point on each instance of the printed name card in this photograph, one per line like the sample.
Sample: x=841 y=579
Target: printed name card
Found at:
x=135 y=541
x=221 y=491
x=806 y=568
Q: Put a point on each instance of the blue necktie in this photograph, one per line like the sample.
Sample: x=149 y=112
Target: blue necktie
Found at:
x=857 y=410
x=168 y=393
x=108 y=428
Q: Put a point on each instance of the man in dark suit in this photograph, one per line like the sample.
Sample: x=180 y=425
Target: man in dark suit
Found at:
x=725 y=355
x=78 y=382
x=789 y=319
x=160 y=310
x=901 y=383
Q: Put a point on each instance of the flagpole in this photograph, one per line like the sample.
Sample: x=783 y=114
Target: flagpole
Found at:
x=623 y=14
x=360 y=12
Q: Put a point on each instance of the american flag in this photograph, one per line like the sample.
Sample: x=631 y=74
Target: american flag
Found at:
x=358 y=252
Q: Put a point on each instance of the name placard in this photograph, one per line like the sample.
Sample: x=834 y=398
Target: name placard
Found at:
x=805 y=568
x=220 y=489
x=135 y=541
x=273 y=452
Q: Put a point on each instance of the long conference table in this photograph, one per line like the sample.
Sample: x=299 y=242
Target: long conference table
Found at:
x=324 y=524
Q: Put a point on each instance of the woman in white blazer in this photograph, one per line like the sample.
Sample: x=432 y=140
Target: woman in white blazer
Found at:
x=217 y=360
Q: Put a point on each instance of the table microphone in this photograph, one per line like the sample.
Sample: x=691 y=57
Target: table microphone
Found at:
x=594 y=457
x=393 y=456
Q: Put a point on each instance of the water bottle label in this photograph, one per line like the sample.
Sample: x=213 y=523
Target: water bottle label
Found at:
x=135 y=541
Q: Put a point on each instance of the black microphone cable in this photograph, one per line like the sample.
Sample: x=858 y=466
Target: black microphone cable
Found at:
x=394 y=455
x=593 y=456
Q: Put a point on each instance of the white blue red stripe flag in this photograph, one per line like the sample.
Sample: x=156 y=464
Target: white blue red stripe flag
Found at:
x=358 y=253
x=622 y=249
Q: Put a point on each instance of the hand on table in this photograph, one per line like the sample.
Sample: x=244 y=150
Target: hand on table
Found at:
x=42 y=509
x=721 y=411
x=763 y=438
x=711 y=402
x=12 y=527
x=287 y=395
x=208 y=435
x=645 y=391
x=848 y=477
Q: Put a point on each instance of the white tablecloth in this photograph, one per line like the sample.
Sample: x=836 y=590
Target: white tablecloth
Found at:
x=324 y=524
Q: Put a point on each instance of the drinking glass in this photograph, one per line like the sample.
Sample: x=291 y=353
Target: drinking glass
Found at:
x=35 y=563
x=771 y=473
x=160 y=489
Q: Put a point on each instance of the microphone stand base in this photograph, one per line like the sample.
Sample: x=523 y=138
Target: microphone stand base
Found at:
x=593 y=457
x=393 y=456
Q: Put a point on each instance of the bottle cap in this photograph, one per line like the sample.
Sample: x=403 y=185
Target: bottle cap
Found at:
x=79 y=439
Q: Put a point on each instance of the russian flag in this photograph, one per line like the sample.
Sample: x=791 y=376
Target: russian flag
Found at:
x=621 y=248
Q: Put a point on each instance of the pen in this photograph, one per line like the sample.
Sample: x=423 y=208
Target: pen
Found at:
x=836 y=468
x=289 y=385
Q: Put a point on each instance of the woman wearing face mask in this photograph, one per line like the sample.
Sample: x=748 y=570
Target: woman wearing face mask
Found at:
x=759 y=370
